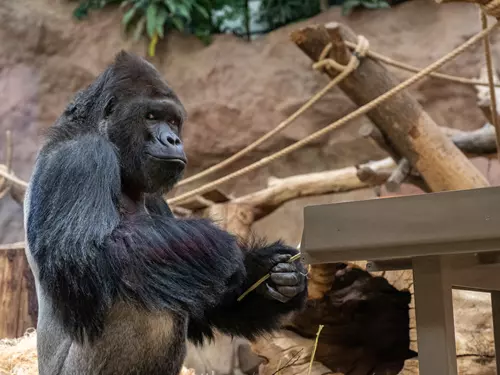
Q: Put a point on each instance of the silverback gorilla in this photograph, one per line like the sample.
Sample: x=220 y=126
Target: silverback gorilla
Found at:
x=121 y=283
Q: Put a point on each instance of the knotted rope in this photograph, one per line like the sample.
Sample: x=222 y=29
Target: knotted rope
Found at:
x=359 y=52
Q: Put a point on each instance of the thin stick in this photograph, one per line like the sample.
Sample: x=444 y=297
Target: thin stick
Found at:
x=489 y=66
x=279 y=367
x=264 y=278
x=9 y=151
x=314 y=349
x=13 y=178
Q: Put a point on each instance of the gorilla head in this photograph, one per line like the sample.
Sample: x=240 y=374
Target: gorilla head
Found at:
x=143 y=117
x=133 y=106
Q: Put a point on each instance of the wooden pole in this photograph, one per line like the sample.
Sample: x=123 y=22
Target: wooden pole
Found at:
x=413 y=134
x=18 y=305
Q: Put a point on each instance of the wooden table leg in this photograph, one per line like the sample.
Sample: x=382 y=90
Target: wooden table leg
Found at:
x=495 y=306
x=434 y=315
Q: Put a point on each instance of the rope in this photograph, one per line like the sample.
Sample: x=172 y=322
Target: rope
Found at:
x=410 y=68
x=360 y=50
x=360 y=111
x=489 y=67
x=492 y=8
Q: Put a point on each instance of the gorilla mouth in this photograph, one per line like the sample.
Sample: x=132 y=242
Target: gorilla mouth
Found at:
x=169 y=159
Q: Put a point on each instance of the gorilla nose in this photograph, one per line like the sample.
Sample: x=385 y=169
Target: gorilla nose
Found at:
x=172 y=140
x=168 y=138
x=168 y=144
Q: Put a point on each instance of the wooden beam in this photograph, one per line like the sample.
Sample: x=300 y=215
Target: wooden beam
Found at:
x=412 y=132
x=403 y=227
x=280 y=191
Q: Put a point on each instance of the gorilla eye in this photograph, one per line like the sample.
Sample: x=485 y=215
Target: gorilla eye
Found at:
x=150 y=116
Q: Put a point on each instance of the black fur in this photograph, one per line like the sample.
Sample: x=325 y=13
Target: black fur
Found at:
x=100 y=233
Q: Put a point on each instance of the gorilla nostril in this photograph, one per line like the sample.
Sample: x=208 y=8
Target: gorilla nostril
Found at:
x=171 y=140
x=177 y=141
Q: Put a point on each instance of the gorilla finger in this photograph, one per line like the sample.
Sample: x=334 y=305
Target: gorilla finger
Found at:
x=285 y=279
x=281 y=258
x=290 y=291
x=284 y=267
x=276 y=295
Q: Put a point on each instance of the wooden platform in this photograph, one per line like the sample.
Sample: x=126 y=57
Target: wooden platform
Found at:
x=449 y=240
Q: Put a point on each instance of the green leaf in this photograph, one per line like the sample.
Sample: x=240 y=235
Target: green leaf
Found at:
x=184 y=11
x=161 y=18
x=128 y=16
x=124 y=4
x=383 y=4
x=171 y=5
x=204 y=36
x=139 y=28
x=201 y=10
x=81 y=11
x=151 y=13
x=178 y=23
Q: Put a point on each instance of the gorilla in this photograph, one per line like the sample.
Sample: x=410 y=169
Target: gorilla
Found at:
x=121 y=283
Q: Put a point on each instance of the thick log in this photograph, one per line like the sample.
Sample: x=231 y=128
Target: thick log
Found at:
x=370 y=131
x=280 y=191
x=18 y=308
x=413 y=134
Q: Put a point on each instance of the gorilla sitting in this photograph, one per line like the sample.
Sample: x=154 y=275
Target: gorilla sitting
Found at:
x=121 y=283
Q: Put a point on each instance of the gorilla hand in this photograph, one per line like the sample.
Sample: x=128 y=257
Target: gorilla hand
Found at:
x=287 y=279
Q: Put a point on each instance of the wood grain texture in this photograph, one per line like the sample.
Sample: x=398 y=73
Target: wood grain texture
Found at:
x=17 y=294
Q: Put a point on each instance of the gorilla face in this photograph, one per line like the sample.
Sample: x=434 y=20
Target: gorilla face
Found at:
x=144 y=120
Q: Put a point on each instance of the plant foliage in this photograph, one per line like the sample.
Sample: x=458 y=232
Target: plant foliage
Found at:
x=203 y=18
x=277 y=13
x=349 y=5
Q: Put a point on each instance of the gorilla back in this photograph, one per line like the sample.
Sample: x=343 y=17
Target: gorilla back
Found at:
x=121 y=283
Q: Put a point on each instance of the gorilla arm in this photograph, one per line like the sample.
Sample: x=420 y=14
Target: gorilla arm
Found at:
x=263 y=309
x=88 y=257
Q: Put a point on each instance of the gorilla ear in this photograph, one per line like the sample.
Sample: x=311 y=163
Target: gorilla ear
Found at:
x=109 y=107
